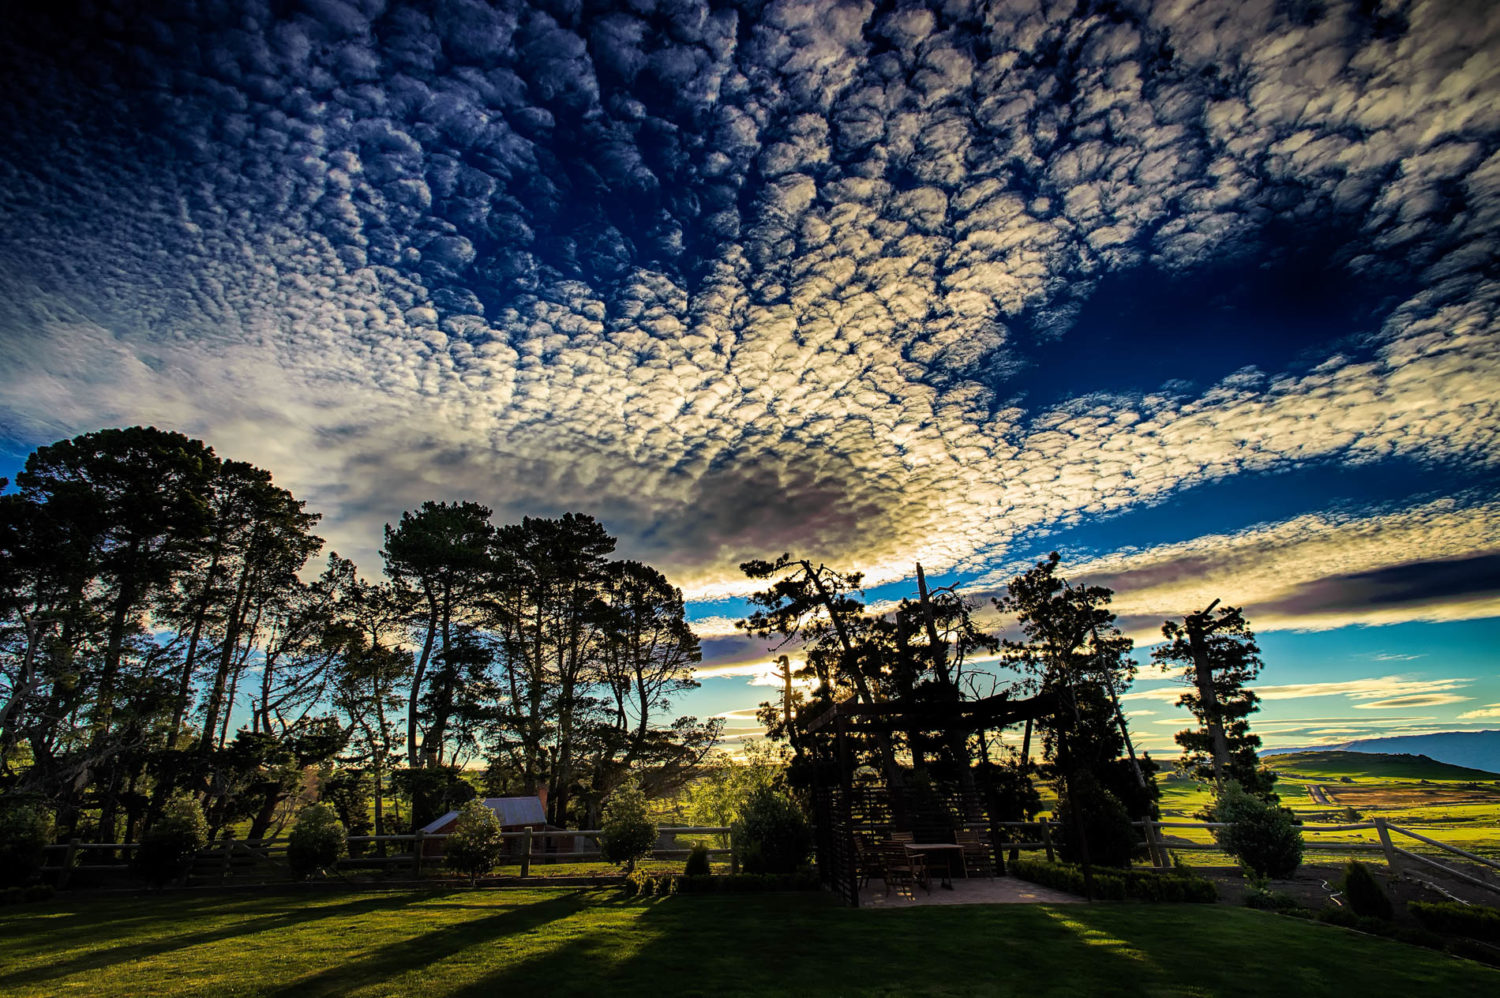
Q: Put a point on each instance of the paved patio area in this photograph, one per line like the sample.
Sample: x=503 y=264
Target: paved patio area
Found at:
x=979 y=890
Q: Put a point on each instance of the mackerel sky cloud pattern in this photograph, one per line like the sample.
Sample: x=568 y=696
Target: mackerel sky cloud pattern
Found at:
x=750 y=277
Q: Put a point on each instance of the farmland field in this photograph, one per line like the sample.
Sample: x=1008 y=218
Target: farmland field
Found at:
x=557 y=941
x=1448 y=803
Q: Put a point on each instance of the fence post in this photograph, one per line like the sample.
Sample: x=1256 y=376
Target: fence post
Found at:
x=1385 y=843
x=1046 y=824
x=1154 y=844
x=66 y=872
x=416 y=854
x=734 y=857
x=526 y=852
x=228 y=847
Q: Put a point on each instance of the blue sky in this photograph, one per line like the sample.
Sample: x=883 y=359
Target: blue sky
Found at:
x=1202 y=295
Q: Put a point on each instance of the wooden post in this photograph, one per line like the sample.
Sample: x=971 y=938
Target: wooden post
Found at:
x=734 y=859
x=1046 y=824
x=416 y=854
x=228 y=846
x=69 y=857
x=1385 y=844
x=526 y=852
x=1159 y=855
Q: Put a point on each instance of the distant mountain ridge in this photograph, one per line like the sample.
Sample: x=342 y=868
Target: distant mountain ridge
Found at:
x=1471 y=749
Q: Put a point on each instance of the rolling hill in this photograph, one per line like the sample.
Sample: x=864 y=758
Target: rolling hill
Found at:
x=1472 y=749
x=1380 y=765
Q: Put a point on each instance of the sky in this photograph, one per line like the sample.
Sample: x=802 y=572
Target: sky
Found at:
x=1202 y=295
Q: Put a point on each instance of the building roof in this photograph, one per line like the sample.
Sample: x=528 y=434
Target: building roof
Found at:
x=510 y=810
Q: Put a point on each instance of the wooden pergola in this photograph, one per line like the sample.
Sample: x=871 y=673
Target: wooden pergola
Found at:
x=844 y=810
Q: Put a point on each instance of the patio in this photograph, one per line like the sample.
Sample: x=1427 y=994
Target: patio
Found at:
x=978 y=890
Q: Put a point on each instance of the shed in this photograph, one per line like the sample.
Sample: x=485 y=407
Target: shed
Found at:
x=515 y=814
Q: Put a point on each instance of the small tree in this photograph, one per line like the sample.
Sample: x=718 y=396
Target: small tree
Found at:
x=317 y=841
x=629 y=832
x=1085 y=805
x=172 y=842
x=24 y=831
x=1261 y=835
x=475 y=845
x=772 y=835
x=1363 y=892
x=697 y=862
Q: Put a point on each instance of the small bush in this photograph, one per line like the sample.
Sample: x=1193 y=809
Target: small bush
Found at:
x=475 y=845
x=629 y=833
x=697 y=861
x=317 y=841
x=643 y=884
x=1113 y=884
x=26 y=895
x=772 y=835
x=1363 y=892
x=1269 y=900
x=168 y=848
x=1453 y=919
x=24 y=831
x=1261 y=835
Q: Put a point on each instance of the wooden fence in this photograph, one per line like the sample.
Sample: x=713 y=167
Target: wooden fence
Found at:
x=1397 y=858
x=224 y=859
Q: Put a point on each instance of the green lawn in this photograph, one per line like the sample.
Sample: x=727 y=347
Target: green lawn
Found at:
x=555 y=941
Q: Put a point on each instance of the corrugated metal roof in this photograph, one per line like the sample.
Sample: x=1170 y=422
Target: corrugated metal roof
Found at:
x=510 y=810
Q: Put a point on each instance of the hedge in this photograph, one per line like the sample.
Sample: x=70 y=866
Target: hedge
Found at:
x=643 y=884
x=1113 y=884
x=1452 y=919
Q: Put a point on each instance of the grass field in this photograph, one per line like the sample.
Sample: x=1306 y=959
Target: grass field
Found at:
x=1455 y=805
x=555 y=941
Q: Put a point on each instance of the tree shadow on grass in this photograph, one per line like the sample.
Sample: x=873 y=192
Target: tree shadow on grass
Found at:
x=390 y=960
x=687 y=946
x=147 y=948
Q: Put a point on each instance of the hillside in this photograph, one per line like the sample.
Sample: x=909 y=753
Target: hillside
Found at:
x=1375 y=765
x=1471 y=749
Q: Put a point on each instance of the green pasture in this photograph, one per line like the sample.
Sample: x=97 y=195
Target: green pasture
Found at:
x=1465 y=812
x=556 y=941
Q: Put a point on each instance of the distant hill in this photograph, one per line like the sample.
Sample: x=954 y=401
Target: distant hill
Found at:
x=1331 y=765
x=1472 y=749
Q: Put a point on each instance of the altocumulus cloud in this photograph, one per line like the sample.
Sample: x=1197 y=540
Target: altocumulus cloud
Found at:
x=741 y=277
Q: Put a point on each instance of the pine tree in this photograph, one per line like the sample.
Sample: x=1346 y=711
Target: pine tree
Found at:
x=1219 y=658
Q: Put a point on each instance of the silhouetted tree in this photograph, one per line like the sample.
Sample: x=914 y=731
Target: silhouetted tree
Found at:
x=440 y=559
x=1218 y=657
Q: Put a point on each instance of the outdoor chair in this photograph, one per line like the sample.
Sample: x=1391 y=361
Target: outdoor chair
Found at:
x=978 y=856
x=902 y=838
x=868 y=860
x=902 y=870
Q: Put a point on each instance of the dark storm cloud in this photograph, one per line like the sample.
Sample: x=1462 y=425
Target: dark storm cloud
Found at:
x=750 y=274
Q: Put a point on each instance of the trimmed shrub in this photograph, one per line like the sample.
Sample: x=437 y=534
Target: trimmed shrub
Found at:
x=26 y=895
x=643 y=884
x=317 y=841
x=24 y=831
x=1453 y=919
x=1111 y=836
x=170 y=845
x=772 y=835
x=1267 y=900
x=1363 y=892
x=1112 y=884
x=1261 y=835
x=475 y=845
x=629 y=833
x=697 y=861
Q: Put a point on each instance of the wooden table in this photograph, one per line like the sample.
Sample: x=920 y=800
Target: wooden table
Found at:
x=948 y=849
